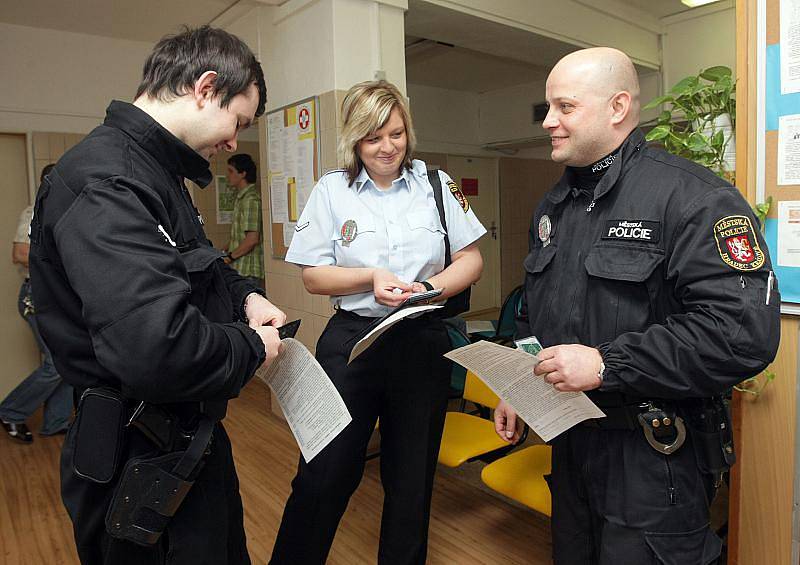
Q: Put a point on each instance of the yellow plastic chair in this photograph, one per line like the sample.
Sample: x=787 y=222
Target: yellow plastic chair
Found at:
x=520 y=476
x=467 y=436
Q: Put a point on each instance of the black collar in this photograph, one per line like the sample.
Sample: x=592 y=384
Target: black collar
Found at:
x=629 y=149
x=171 y=152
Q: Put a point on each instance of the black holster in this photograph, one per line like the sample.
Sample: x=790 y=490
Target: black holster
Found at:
x=712 y=434
x=152 y=488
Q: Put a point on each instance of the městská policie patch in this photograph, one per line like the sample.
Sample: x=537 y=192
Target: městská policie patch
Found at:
x=737 y=243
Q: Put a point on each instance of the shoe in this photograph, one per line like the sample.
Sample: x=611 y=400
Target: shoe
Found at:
x=19 y=432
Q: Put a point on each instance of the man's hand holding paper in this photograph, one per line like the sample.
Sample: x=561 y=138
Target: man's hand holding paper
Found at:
x=570 y=367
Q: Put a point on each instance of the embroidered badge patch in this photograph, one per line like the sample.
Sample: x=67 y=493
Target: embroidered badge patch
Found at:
x=633 y=230
x=737 y=243
x=545 y=228
x=456 y=192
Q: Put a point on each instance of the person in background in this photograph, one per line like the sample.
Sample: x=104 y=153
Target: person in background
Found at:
x=43 y=385
x=245 y=252
x=369 y=236
x=650 y=286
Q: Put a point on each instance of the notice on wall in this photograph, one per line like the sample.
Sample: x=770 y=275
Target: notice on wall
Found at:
x=789 y=150
x=789 y=233
x=314 y=409
x=790 y=46
x=293 y=151
x=226 y=196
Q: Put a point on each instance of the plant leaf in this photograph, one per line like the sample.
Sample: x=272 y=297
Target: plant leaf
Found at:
x=658 y=101
x=658 y=132
x=714 y=74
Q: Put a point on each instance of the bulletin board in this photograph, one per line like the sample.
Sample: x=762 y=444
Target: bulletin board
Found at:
x=778 y=141
x=293 y=160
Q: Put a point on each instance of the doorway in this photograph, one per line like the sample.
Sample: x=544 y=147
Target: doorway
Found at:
x=18 y=347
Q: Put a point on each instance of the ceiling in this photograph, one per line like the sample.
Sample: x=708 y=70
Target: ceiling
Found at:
x=473 y=54
x=138 y=20
x=444 y=48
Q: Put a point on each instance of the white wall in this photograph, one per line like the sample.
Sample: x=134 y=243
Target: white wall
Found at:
x=59 y=81
x=444 y=118
x=698 y=39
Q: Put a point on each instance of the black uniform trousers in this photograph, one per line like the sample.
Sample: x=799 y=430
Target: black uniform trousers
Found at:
x=207 y=528
x=617 y=501
x=403 y=380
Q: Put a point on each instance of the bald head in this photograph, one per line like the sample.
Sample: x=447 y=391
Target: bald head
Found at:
x=594 y=104
x=604 y=70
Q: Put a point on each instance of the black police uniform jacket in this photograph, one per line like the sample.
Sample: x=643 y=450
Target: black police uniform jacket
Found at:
x=130 y=293
x=663 y=269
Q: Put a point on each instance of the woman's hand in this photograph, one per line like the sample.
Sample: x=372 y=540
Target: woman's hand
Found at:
x=384 y=284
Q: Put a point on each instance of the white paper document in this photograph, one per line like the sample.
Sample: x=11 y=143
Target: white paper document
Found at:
x=790 y=46
x=509 y=373
x=362 y=344
x=789 y=233
x=314 y=410
x=789 y=149
x=279 y=199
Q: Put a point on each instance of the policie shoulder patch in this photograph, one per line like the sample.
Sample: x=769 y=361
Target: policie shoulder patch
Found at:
x=633 y=230
x=737 y=243
x=458 y=195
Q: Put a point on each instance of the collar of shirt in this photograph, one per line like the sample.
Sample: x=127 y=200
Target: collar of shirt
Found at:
x=246 y=190
x=363 y=179
x=170 y=151
x=630 y=148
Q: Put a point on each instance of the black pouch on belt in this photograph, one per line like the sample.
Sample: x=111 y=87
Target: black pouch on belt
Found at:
x=712 y=435
x=152 y=488
x=98 y=437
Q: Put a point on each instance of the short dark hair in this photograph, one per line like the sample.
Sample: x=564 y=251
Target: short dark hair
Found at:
x=244 y=163
x=177 y=61
x=46 y=171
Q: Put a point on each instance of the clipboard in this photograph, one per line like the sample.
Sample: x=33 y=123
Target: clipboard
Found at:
x=414 y=299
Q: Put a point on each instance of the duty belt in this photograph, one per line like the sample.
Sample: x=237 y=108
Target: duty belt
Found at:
x=663 y=429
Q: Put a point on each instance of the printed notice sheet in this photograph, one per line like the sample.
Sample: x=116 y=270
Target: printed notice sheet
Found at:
x=790 y=46
x=789 y=233
x=509 y=373
x=789 y=149
x=314 y=410
x=362 y=344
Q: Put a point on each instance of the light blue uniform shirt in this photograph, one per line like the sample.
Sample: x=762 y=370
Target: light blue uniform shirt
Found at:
x=397 y=229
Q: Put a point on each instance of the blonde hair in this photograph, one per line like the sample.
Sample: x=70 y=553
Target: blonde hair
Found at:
x=365 y=109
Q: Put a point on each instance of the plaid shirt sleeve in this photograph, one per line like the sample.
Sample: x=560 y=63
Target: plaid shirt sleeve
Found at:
x=251 y=214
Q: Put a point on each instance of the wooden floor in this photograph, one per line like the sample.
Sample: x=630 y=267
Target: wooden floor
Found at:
x=468 y=525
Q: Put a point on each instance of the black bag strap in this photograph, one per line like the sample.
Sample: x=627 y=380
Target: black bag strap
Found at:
x=436 y=183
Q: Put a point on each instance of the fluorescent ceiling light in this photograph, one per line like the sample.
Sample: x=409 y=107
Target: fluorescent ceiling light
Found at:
x=696 y=3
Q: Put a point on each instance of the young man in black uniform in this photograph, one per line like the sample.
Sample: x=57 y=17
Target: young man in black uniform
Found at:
x=649 y=284
x=144 y=318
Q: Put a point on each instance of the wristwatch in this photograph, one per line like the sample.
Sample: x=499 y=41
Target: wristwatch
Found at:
x=229 y=255
x=426 y=284
x=601 y=371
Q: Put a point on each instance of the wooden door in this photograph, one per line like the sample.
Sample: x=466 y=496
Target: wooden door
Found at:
x=477 y=177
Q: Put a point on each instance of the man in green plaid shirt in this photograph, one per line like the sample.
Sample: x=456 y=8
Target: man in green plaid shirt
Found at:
x=245 y=252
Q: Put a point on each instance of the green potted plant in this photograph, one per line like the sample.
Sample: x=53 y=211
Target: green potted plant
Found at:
x=699 y=119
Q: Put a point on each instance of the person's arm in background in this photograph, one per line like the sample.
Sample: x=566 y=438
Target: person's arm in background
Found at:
x=251 y=239
x=19 y=253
